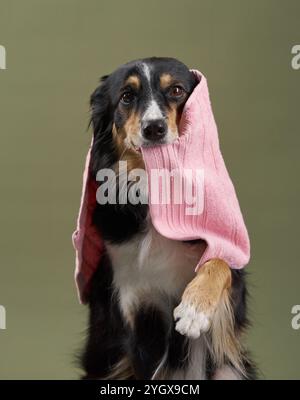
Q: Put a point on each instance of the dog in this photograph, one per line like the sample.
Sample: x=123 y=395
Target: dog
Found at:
x=150 y=317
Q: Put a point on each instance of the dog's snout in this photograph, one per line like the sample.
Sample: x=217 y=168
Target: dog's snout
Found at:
x=155 y=129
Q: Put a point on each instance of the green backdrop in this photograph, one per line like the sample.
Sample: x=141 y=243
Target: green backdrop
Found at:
x=56 y=51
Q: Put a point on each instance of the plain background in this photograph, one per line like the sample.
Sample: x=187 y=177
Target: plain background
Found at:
x=56 y=51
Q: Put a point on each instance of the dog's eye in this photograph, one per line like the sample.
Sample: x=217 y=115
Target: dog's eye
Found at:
x=176 y=91
x=127 y=98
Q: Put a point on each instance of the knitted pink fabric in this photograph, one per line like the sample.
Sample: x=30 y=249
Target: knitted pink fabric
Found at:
x=220 y=224
x=86 y=239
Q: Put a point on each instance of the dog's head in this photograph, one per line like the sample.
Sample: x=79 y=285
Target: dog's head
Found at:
x=140 y=104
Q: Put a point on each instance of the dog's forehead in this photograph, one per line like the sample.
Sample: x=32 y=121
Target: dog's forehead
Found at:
x=141 y=71
x=150 y=73
x=137 y=72
x=168 y=71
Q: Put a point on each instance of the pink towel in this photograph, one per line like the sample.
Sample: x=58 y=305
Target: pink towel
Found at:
x=220 y=222
x=86 y=239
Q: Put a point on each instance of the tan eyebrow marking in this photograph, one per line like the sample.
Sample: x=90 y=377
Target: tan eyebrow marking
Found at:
x=165 y=80
x=134 y=81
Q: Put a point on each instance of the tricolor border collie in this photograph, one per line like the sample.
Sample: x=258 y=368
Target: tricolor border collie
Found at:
x=140 y=323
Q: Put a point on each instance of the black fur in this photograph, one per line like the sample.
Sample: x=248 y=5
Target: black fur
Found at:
x=103 y=153
x=148 y=341
x=106 y=332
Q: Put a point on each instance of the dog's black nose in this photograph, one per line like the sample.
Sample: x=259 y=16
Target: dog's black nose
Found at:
x=155 y=129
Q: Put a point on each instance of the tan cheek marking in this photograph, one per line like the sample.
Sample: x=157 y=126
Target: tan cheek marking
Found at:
x=132 y=127
x=173 y=120
x=165 y=80
x=118 y=139
x=134 y=159
x=134 y=81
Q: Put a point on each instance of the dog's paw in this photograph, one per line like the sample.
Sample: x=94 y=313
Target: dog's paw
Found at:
x=191 y=322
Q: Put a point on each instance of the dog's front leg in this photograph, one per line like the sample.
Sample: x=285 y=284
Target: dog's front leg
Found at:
x=206 y=306
x=201 y=298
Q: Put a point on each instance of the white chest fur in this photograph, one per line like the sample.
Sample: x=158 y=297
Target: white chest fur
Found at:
x=155 y=270
x=152 y=268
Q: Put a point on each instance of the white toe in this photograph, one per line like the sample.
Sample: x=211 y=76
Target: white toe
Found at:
x=190 y=322
x=183 y=326
x=179 y=311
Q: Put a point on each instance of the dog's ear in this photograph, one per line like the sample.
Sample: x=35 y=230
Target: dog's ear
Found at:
x=103 y=153
x=100 y=107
